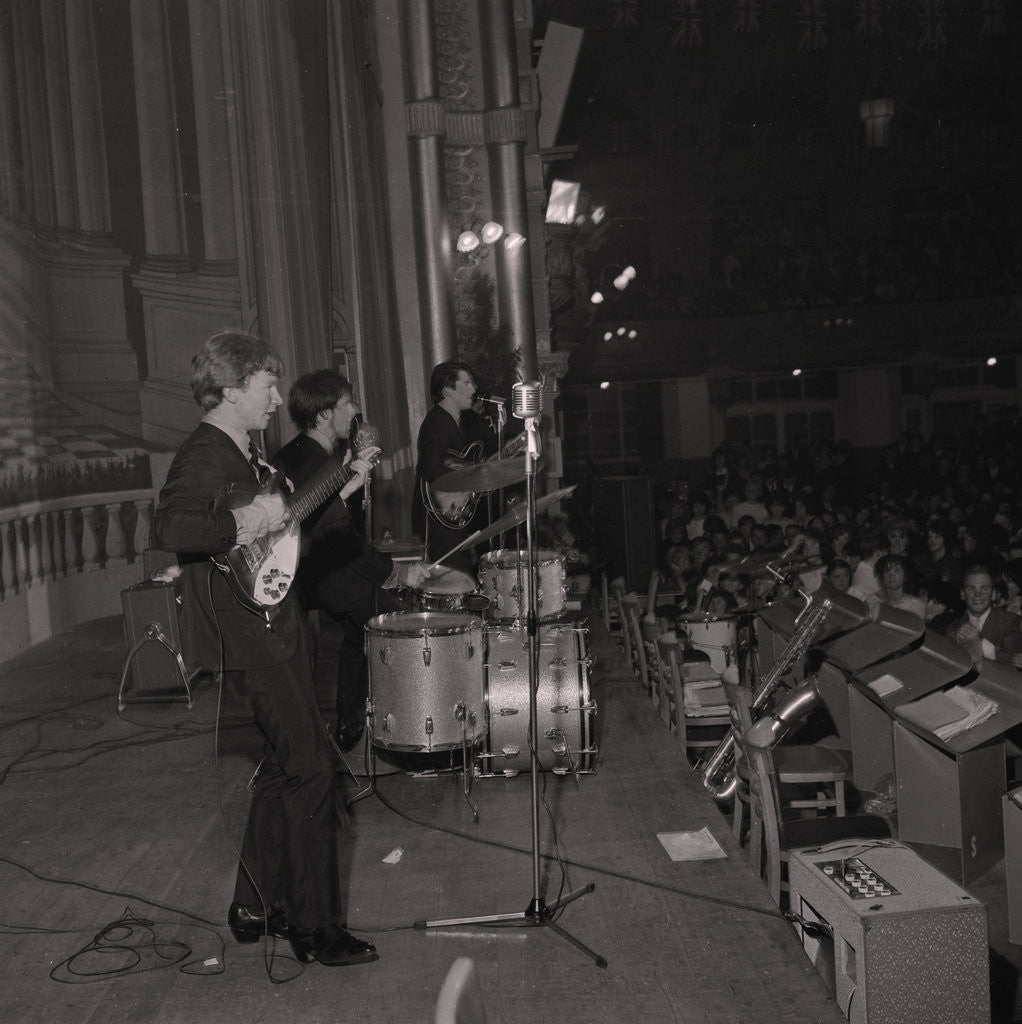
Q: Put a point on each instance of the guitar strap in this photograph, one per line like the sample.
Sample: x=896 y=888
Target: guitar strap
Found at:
x=255 y=457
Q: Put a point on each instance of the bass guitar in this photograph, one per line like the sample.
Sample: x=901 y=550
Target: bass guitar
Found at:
x=261 y=573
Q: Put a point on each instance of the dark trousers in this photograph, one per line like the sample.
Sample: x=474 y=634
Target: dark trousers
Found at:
x=289 y=854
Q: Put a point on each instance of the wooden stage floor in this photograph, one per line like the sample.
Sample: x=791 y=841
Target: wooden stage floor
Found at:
x=136 y=816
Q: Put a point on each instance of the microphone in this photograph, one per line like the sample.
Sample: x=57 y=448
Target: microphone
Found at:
x=367 y=442
x=483 y=396
x=526 y=399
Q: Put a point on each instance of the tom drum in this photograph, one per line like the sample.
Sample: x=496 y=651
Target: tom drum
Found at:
x=503 y=578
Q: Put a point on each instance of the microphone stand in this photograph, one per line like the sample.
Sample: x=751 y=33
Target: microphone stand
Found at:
x=538 y=912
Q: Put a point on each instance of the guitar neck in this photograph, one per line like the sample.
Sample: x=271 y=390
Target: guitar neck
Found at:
x=317 y=489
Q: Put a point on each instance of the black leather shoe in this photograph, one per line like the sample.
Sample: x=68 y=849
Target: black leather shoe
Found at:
x=332 y=946
x=349 y=735
x=250 y=925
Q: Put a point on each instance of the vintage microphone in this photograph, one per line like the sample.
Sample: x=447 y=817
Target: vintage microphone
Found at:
x=526 y=404
x=365 y=438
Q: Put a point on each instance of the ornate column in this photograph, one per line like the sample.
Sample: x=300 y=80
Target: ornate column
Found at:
x=33 y=115
x=10 y=193
x=215 y=178
x=505 y=138
x=116 y=543
x=51 y=14
x=425 y=125
x=90 y=171
x=162 y=200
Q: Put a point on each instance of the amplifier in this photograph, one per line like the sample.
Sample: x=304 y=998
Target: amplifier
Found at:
x=154 y=665
x=896 y=940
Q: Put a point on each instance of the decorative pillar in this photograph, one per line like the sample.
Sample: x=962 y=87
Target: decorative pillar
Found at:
x=51 y=16
x=10 y=193
x=425 y=125
x=33 y=539
x=33 y=113
x=90 y=170
x=505 y=135
x=116 y=543
x=215 y=178
x=163 y=211
x=8 y=579
x=90 y=540
x=143 y=519
x=21 y=553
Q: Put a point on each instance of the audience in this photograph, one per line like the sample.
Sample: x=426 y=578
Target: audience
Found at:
x=898 y=535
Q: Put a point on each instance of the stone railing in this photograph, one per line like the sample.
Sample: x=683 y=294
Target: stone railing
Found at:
x=65 y=560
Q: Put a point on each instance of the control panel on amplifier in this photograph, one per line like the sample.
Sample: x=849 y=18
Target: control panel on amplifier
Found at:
x=856 y=879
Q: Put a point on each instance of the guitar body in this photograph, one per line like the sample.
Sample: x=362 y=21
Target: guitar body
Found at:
x=261 y=573
x=454 y=509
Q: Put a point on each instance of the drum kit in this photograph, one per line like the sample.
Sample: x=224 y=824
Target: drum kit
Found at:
x=449 y=678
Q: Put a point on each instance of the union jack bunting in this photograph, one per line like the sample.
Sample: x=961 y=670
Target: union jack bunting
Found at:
x=812 y=17
x=624 y=13
x=746 y=16
x=687 y=18
x=992 y=20
x=932 y=24
x=868 y=17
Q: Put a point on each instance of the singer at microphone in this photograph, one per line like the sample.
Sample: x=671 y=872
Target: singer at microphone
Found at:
x=345 y=578
x=452 y=434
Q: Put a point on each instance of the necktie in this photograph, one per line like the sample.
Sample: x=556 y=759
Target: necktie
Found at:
x=262 y=471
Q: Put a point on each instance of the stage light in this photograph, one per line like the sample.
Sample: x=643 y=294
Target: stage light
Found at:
x=608 y=335
x=514 y=241
x=633 y=334
x=621 y=332
x=596 y=298
x=491 y=232
x=796 y=373
x=992 y=361
x=468 y=241
x=598 y=214
x=604 y=385
x=621 y=282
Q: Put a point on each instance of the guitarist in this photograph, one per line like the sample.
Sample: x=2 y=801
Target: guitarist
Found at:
x=339 y=573
x=452 y=434
x=287 y=880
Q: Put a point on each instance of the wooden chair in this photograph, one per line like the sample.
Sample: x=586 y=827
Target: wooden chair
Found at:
x=697 y=735
x=618 y=594
x=772 y=836
x=650 y=633
x=631 y=611
x=461 y=996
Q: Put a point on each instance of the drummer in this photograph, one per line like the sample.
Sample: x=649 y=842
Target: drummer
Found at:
x=340 y=574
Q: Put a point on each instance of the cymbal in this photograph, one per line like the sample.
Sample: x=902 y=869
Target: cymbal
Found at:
x=516 y=516
x=490 y=475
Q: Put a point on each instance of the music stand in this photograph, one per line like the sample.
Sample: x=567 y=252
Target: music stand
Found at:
x=525 y=404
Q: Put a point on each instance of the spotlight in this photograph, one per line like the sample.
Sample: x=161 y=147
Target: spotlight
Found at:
x=604 y=385
x=598 y=214
x=621 y=282
x=796 y=373
x=596 y=298
x=608 y=335
x=468 y=241
x=514 y=241
x=992 y=361
x=491 y=232
x=633 y=334
x=620 y=332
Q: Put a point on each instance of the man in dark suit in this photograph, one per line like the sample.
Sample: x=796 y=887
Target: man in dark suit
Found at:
x=452 y=434
x=983 y=629
x=287 y=881
x=340 y=574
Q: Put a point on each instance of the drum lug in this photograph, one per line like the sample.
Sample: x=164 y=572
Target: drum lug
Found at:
x=511 y=751
x=470 y=651
x=427 y=655
x=590 y=706
x=507 y=666
x=559 y=709
x=385 y=655
x=560 y=661
x=429 y=725
x=506 y=712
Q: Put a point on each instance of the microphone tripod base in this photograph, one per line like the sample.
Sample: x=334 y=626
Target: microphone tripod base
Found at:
x=537 y=914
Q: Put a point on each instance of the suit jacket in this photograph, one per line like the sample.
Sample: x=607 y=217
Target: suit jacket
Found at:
x=339 y=571
x=1003 y=629
x=208 y=477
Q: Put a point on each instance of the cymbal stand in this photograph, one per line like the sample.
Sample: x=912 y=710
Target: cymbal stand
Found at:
x=538 y=912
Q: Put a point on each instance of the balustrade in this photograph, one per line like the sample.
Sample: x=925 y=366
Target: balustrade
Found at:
x=44 y=541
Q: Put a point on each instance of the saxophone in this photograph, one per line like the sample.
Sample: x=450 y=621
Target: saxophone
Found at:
x=718 y=771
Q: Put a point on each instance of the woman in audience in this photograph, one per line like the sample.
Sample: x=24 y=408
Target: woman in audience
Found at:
x=897 y=585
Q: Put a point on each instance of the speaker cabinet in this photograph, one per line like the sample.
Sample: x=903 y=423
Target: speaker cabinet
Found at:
x=154 y=668
x=625 y=522
x=902 y=941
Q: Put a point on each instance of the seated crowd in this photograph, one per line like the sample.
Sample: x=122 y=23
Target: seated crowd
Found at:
x=934 y=530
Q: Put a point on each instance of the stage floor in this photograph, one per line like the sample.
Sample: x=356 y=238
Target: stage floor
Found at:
x=137 y=816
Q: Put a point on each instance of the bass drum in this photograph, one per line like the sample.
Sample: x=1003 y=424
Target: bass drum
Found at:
x=425 y=673
x=503 y=578
x=564 y=711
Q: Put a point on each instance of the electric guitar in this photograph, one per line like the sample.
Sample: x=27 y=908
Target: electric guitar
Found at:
x=261 y=573
x=456 y=509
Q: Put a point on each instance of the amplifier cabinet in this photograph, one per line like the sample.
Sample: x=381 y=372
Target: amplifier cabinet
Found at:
x=909 y=946
x=152 y=634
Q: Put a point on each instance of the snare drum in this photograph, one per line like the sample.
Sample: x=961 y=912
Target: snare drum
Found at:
x=444 y=590
x=564 y=711
x=503 y=578
x=715 y=637
x=425 y=678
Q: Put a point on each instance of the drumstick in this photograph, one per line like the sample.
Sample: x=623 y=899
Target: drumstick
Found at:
x=443 y=558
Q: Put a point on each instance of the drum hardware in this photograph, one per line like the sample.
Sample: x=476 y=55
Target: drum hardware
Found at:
x=527 y=401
